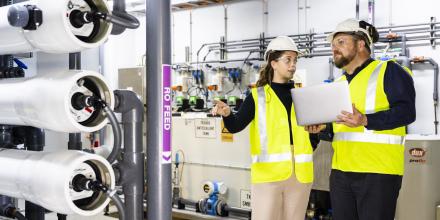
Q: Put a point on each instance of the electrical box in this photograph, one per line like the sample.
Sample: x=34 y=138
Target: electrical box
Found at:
x=135 y=79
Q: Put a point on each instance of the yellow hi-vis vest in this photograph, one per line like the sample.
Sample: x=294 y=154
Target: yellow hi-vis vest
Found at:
x=362 y=150
x=270 y=141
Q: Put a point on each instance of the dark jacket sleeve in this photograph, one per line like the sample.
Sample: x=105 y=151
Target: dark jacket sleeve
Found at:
x=238 y=121
x=400 y=92
x=326 y=134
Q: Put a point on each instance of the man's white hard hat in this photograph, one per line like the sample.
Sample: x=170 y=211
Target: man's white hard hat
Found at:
x=281 y=43
x=351 y=25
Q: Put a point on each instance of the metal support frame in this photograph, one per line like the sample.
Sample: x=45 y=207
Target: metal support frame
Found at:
x=432 y=32
x=317 y=44
x=158 y=172
x=34 y=140
x=261 y=46
x=222 y=48
x=131 y=167
x=74 y=138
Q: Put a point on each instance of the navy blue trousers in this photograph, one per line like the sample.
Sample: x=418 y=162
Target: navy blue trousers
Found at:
x=363 y=196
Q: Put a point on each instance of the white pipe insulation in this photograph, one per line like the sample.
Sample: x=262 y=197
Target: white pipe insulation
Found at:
x=47 y=101
x=56 y=33
x=45 y=178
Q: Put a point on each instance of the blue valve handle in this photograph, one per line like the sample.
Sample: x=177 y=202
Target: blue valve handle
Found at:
x=20 y=64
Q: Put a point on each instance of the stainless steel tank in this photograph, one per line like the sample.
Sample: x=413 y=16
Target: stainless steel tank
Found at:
x=420 y=192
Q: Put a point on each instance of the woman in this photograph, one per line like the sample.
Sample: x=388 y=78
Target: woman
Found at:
x=282 y=167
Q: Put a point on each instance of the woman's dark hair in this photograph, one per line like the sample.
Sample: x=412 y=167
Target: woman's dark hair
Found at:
x=266 y=73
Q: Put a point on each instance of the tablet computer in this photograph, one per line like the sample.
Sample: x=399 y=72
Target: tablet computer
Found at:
x=321 y=103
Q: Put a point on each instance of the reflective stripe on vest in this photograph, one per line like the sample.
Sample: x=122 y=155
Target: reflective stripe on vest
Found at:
x=267 y=158
x=303 y=158
x=369 y=138
x=262 y=120
x=370 y=102
x=264 y=156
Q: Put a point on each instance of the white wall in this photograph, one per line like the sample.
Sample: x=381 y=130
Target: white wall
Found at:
x=286 y=17
x=245 y=19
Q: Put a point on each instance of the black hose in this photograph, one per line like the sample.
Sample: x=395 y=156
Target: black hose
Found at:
x=19 y=216
x=119 y=18
x=118 y=202
x=123 y=19
x=116 y=133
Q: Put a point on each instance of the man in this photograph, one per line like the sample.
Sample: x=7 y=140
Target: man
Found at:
x=367 y=165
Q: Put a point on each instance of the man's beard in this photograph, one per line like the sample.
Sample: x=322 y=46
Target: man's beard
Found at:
x=344 y=60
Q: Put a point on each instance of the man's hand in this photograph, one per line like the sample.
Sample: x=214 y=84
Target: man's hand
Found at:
x=352 y=120
x=314 y=129
x=221 y=108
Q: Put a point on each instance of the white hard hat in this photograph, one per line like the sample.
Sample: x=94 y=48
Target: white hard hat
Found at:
x=352 y=25
x=281 y=43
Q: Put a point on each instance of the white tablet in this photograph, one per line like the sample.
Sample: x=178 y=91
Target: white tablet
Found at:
x=321 y=103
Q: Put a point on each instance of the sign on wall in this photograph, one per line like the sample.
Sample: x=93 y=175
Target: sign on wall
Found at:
x=245 y=199
x=205 y=128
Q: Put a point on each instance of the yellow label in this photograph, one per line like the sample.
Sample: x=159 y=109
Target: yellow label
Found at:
x=226 y=135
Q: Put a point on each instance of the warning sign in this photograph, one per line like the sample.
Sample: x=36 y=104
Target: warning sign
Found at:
x=205 y=128
x=226 y=135
x=245 y=199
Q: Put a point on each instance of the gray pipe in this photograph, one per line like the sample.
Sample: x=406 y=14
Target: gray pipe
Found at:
x=407 y=25
x=132 y=165
x=403 y=58
x=331 y=65
x=118 y=6
x=117 y=134
x=34 y=140
x=357 y=9
x=118 y=202
x=159 y=47
x=435 y=94
x=371 y=11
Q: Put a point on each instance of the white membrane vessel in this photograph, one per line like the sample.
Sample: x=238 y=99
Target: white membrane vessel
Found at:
x=45 y=178
x=56 y=33
x=46 y=101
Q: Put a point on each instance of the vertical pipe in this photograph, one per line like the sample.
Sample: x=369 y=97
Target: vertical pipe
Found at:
x=34 y=140
x=226 y=30
x=33 y=211
x=371 y=12
x=187 y=54
x=297 y=11
x=132 y=164
x=190 y=36
x=75 y=61
x=331 y=65
x=357 y=9
x=222 y=48
x=61 y=216
x=6 y=131
x=74 y=138
x=158 y=168
x=371 y=21
x=305 y=15
x=390 y=13
x=265 y=16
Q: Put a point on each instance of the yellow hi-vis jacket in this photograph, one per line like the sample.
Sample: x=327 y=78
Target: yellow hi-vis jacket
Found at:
x=362 y=150
x=270 y=141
